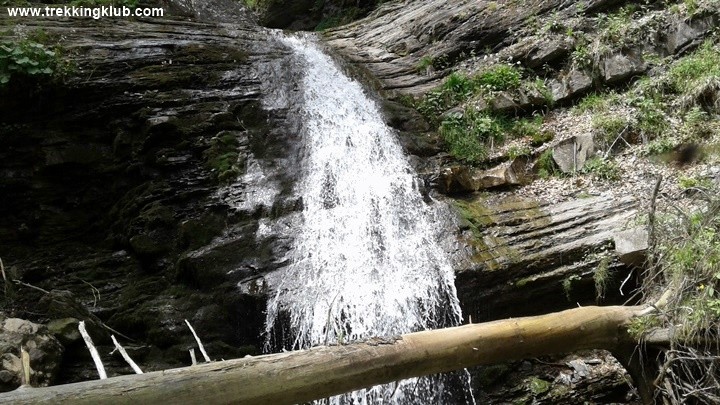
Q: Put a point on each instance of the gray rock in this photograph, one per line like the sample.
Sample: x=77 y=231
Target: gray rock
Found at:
x=546 y=51
x=571 y=154
x=571 y=85
x=631 y=245
x=621 y=66
x=465 y=179
x=684 y=33
x=45 y=353
x=428 y=27
x=65 y=330
x=526 y=248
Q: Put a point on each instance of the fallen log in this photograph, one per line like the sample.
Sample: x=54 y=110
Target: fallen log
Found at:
x=305 y=375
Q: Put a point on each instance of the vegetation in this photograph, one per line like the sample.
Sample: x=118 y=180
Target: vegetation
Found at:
x=459 y=87
x=687 y=264
x=547 y=166
x=28 y=59
x=603 y=169
x=222 y=156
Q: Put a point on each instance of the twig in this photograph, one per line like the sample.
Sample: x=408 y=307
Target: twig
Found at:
x=6 y=281
x=116 y=332
x=18 y=282
x=125 y=355
x=93 y=351
x=202 y=349
x=620 y=136
x=651 y=221
x=25 y=366
x=625 y=281
x=192 y=356
x=95 y=292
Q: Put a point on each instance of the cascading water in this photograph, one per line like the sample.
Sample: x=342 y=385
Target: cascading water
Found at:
x=365 y=262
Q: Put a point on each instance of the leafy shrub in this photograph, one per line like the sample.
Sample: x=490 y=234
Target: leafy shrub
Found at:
x=581 y=57
x=527 y=127
x=541 y=138
x=467 y=134
x=693 y=182
x=517 y=151
x=546 y=165
x=651 y=118
x=689 y=72
x=26 y=58
x=658 y=146
x=596 y=102
x=461 y=142
x=603 y=169
x=454 y=90
x=500 y=78
x=608 y=127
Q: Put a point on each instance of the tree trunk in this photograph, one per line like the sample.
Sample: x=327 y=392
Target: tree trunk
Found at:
x=300 y=376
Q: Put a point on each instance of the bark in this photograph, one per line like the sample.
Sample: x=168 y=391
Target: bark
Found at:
x=300 y=376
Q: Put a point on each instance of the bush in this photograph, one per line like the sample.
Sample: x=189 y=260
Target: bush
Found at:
x=658 y=146
x=462 y=143
x=467 y=134
x=691 y=71
x=500 y=78
x=609 y=127
x=26 y=58
x=527 y=127
x=603 y=169
x=546 y=165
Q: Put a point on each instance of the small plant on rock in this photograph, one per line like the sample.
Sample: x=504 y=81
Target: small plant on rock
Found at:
x=603 y=169
x=26 y=58
x=500 y=78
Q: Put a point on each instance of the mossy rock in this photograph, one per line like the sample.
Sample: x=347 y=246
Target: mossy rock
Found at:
x=148 y=245
x=538 y=386
x=223 y=155
x=198 y=232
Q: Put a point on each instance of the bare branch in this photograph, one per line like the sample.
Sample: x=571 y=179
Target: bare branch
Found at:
x=125 y=356
x=202 y=349
x=93 y=351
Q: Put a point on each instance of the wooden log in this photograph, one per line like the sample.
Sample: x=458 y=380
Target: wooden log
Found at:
x=301 y=376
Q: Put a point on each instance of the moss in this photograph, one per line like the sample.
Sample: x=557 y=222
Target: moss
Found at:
x=524 y=281
x=490 y=250
x=172 y=76
x=638 y=327
x=222 y=157
x=487 y=376
x=538 y=386
x=476 y=214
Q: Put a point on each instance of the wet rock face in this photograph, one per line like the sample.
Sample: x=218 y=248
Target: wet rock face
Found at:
x=113 y=187
x=520 y=253
x=45 y=353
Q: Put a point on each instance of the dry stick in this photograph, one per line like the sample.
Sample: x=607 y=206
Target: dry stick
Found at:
x=18 y=282
x=2 y=270
x=95 y=292
x=192 y=356
x=93 y=351
x=202 y=349
x=125 y=355
x=651 y=220
x=620 y=136
x=25 y=366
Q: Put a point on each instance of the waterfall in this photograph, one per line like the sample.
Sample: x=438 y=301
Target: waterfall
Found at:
x=365 y=261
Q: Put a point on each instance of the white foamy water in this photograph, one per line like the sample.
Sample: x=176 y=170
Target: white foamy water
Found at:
x=365 y=260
